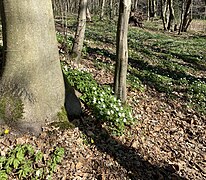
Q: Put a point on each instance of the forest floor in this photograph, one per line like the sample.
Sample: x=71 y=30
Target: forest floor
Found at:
x=169 y=139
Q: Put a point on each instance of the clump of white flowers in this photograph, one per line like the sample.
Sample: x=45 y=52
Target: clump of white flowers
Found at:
x=104 y=104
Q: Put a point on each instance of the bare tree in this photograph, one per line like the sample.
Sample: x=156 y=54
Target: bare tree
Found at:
x=88 y=15
x=162 y=6
x=186 y=19
x=151 y=9
x=102 y=9
x=171 y=16
x=79 y=35
x=135 y=4
x=122 y=51
x=111 y=9
x=148 y=10
x=168 y=15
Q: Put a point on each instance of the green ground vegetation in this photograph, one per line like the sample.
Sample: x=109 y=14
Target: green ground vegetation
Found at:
x=170 y=63
x=26 y=162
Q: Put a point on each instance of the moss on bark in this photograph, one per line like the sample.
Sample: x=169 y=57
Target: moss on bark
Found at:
x=63 y=122
x=11 y=108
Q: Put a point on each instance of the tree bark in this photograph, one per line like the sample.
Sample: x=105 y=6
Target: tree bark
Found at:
x=122 y=51
x=162 y=15
x=136 y=4
x=88 y=15
x=102 y=10
x=151 y=9
x=155 y=8
x=148 y=10
x=186 y=21
x=31 y=70
x=111 y=9
x=79 y=35
x=182 y=16
x=171 y=15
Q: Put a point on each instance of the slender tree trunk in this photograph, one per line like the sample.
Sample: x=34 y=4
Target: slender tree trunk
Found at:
x=122 y=51
x=61 y=12
x=117 y=9
x=165 y=10
x=148 y=10
x=171 y=15
x=111 y=9
x=102 y=10
x=162 y=15
x=79 y=36
x=76 y=6
x=155 y=8
x=132 y=4
x=151 y=9
x=136 y=4
x=88 y=14
x=182 y=16
x=186 y=21
x=31 y=72
x=205 y=12
x=191 y=7
x=92 y=6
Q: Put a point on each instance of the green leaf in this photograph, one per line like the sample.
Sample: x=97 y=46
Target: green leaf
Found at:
x=20 y=155
x=3 y=175
x=16 y=163
x=8 y=169
x=2 y=161
x=38 y=156
x=10 y=160
x=30 y=150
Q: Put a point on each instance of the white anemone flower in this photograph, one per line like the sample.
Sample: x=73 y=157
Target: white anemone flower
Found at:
x=116 y=108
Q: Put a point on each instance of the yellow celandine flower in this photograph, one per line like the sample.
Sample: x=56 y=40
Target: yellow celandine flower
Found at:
x=6 y=131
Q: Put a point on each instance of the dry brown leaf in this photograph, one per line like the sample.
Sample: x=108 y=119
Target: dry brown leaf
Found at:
x=22 y=140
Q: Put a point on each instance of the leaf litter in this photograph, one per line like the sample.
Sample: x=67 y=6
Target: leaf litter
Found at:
x=168 y=141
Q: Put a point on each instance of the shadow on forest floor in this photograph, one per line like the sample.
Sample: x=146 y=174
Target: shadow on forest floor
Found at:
x=174 y=74
x=193 y=61
x=143 y=65
x=127 y=156
x=165 y=76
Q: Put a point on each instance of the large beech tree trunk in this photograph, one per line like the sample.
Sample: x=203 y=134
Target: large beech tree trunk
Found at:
x=31 y=70
x=122 y=51
x=79 y=36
